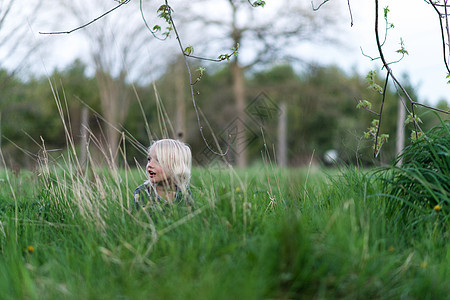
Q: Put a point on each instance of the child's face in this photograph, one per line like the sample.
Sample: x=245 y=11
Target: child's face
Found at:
x=154 y=170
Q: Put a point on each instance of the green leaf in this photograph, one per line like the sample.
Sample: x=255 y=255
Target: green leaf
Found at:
x=189 y=50
x=259 y=3
x=402 y=49
x=371 y=81
x=364 y=104
x=386 y=11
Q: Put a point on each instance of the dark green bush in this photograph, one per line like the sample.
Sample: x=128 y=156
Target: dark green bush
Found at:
x=418 y=183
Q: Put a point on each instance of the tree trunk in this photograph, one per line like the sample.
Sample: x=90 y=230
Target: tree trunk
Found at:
x=115 y=105
x=400 y=142
x=240 y=141
x=282 y=136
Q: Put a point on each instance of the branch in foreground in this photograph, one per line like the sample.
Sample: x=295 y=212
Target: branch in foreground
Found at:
x=320 y=5
x=90 y=22
x=191 y=84
x=431 y=107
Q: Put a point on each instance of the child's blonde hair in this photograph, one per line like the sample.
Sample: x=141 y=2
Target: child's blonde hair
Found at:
x=175 y=159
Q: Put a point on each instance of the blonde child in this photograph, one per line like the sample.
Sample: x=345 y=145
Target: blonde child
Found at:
x=169 y=171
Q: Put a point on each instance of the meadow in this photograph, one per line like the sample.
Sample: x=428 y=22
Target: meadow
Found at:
x=258 y=233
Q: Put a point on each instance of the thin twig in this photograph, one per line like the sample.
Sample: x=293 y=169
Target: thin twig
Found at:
x=203 y=58
x=90 y=22
x=192 y=90
x=153 y=32
x=444 y=45
x=386 y=65
x=432 y=108
x=365 y=108
x=380 y=115
x=320 y=5
x=350 y=12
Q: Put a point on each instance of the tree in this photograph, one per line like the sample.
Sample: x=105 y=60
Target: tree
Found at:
x=269 y=35
x=260 y=36
x=381 y=34
x=174 y=89
x=264 y=35
x=120 y=52
x=322 y=112
x=281 y=88
x=29 y=113
x=17 y=44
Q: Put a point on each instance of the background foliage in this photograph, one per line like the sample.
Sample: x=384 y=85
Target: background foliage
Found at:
x=322 y=113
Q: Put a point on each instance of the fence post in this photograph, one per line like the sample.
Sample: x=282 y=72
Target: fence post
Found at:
x=400 y=141
x=282 y=136
x=84 y=135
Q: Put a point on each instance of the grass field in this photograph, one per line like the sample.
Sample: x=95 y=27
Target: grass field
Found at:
x=259 y=233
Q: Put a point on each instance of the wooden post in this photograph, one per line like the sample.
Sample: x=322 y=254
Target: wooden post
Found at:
x=400 y=142
x=240 y=144
x=84 y=135
x=282 y=136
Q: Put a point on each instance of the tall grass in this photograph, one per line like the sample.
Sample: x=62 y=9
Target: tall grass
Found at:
x=69 y=231
x=418 y=188
x=329 y=239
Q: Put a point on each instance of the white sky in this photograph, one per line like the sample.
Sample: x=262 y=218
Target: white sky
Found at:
x=415 y=21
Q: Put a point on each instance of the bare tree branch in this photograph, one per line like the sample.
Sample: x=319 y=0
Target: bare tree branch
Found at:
x=320 y=5
x=350 y=12
x=15 y=36
x=441 y=17
x=90 y=22
x=380 y=115
x=221 y=153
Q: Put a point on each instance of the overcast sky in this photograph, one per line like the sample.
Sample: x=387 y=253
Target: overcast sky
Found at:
x=415 y=22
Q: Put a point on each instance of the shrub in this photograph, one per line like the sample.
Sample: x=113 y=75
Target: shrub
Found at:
x=418 y=183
